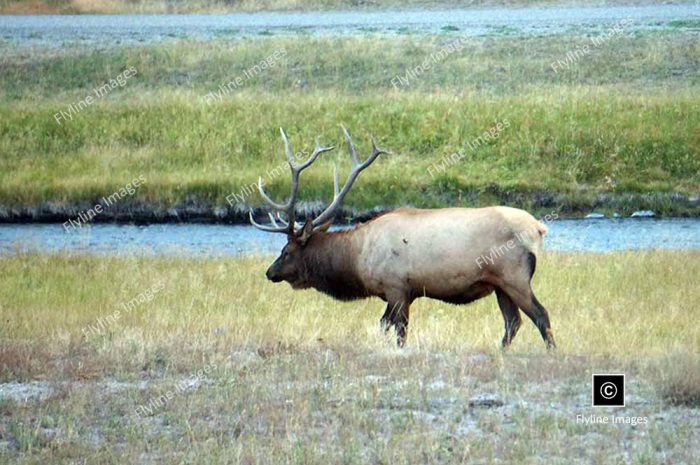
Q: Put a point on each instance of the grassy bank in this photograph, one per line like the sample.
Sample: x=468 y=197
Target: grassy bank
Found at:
x=498 y=64
x=298 y=377
x=578 y=143
x=606 y=128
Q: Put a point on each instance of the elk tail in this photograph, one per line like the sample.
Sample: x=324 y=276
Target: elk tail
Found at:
x=542 y=228
x=535 y=237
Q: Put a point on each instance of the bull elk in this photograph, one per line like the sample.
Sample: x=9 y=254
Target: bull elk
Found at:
x=456 y=255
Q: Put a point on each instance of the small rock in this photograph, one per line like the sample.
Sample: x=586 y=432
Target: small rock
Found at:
x=374 y=378
x=643 y=214
x=486 y=401
x=595 y=216
x=436 y=385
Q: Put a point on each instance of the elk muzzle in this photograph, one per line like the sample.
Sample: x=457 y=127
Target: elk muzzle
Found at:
x=273 y=272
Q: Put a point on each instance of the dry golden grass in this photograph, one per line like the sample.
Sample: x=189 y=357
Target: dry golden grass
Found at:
x=621 y=304
x=104 y=6
x=677 y=378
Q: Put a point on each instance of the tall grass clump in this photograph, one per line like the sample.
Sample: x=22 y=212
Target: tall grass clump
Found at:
x=676 y=377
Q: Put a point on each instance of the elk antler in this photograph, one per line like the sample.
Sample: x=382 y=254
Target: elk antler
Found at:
x=357 y=167
x=289 y=206
x=288 y=225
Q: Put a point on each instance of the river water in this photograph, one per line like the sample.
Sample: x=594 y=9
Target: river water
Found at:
x=201 y=240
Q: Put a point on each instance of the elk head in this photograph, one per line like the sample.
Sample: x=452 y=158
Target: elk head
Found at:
x=290 y=266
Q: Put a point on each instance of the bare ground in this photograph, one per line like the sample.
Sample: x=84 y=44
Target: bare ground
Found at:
x=278 y=404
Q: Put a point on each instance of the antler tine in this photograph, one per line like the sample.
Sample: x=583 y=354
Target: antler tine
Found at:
x=351 y=147
x=287 y=148
x=375 y=153
x=336 y=191
x=281 y=220
x=285 y=222
x=274 y=229
x=273 y=221
x=296 y=171
x=272 y=203
x=318 y=150
x=357 y=167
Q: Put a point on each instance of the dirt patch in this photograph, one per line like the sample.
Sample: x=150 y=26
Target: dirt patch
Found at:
x=413 y=405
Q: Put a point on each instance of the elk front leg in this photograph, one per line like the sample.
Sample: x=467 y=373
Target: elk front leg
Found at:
x=398 y=300
x=387 y=320
x=400 y=321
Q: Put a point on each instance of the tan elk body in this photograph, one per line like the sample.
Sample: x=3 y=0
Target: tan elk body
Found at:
x=456 y=255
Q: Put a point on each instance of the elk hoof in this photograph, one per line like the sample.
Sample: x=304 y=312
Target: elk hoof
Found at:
x=384 y=326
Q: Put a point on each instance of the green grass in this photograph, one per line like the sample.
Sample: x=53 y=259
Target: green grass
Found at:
x=684 y=23
x=205 y=153
x=301 y=378
x=647 y=61
x=619 y=122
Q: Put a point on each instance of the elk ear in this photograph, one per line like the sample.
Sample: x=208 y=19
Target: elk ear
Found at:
x=306 y=231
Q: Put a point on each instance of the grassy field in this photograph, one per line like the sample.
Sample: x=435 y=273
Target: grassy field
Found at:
x=274 y=375
x=619 y=123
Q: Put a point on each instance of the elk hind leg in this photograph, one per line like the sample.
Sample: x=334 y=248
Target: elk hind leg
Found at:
x=529 y=304
x=538 y=314
x=520 y=292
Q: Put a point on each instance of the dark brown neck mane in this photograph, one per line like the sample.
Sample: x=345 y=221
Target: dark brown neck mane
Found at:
x=330 y=265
